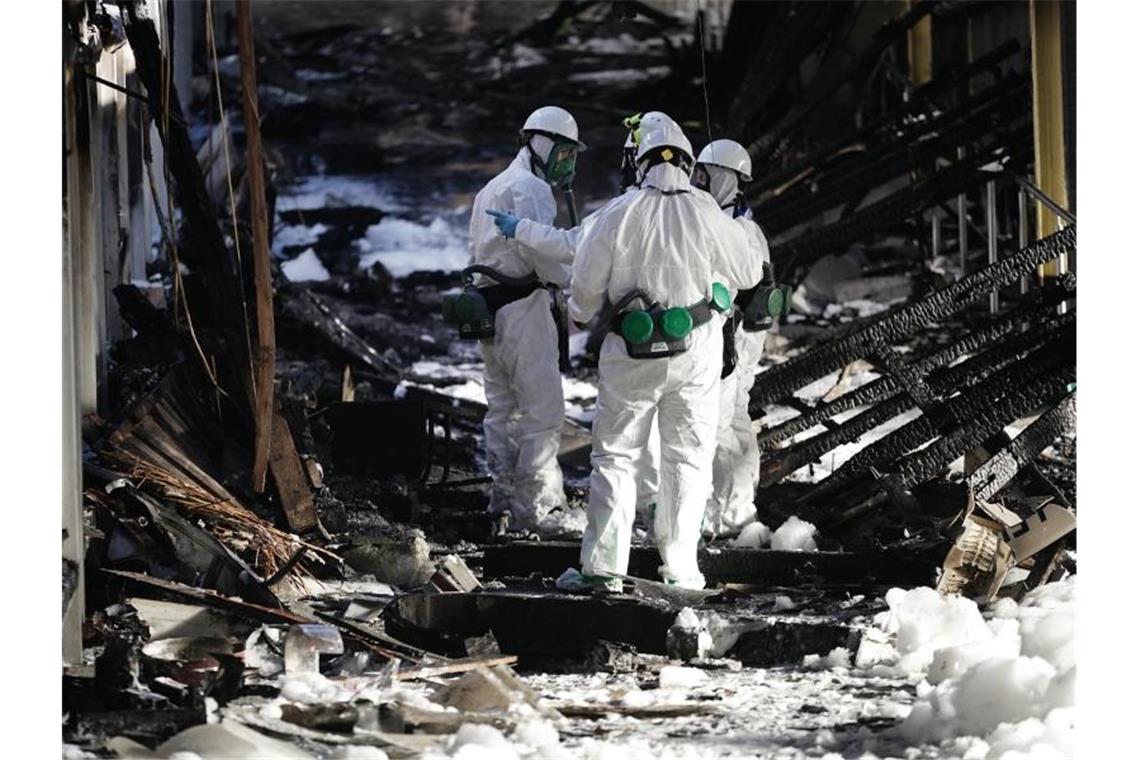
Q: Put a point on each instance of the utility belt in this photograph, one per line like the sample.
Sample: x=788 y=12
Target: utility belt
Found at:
x=756 y=309
x=658 y=332
x=473 y=311
x=762 y=305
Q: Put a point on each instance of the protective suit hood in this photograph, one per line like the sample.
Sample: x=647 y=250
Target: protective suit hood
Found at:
x=724 y=185
x=667 y=178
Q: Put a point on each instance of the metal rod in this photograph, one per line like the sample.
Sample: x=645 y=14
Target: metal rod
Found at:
x=991 y=236
x=1040 y=195
x=129 y=93
x=962 y=220
x=935 y=232
x=1023 y=231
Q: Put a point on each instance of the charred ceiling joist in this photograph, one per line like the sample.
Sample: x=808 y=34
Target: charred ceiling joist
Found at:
x=970 y=342
x=783 y=380
x=888 y=402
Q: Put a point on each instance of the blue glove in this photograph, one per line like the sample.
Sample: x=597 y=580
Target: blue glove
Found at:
x=506 y=222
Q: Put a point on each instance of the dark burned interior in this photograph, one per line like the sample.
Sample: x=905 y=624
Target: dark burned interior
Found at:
x=276 y=475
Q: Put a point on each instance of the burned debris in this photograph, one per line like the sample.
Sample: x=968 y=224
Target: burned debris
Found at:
x=281 y=543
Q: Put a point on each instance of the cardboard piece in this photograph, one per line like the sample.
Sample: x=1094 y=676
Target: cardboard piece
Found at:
x=1048 y=524
x=994 y=540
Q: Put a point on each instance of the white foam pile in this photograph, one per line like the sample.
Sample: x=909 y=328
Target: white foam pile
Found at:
x=999 y=686
x=840 y=657
x=715 y=634
x=795 y=535
x=532 y=738
x=311 y=689
x=405 y=246
x=753 y=536
x=680 y=677
x=307 y=267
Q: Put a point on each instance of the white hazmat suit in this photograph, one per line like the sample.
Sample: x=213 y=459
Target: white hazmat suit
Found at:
x=559 y=244
x=523 y=424
x=736 y=465
x=667 y=240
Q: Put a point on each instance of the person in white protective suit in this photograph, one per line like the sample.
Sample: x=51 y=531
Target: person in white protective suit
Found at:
x=523 y=424
x=666 y=240
x=721 y=168
x=560 y=244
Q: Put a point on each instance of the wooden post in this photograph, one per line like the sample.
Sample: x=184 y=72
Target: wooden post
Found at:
x=1048 y=120
x=265 y=352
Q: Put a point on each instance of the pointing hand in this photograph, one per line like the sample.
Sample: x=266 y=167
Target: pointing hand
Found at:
x=506 y=222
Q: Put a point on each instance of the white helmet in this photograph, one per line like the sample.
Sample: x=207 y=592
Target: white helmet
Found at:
x=665 y=134
x=640 y=124
x=729 y=154
x=552 y=120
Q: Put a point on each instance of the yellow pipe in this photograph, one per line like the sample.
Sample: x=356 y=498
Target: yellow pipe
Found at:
x=1048 y=120
x=920 y=49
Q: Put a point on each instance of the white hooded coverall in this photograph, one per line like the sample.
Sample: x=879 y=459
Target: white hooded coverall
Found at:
x=523 y=424
x=667 y=240
x=557 y=244
x=736 y=465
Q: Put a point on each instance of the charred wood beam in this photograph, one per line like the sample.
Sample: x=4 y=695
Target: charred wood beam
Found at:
x=972 y=404
x=781 y=381
x=964 y=375
x=825 y=86
x=264 y=361
x=307 y=313
x=1042 y=313
x=890 y=566
x=887 y=125
x=987 y=116
x=997 y=472
x=928 y=463
x=1042 y=481
x=793 y=258
x=780 y=52
x=777 y=465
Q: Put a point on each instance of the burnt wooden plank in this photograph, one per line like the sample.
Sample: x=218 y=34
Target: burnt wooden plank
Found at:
x=289 y=477
x=889 y=567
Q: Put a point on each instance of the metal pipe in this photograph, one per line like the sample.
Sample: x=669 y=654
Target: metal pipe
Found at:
x=962 y=221
x=1023 y=231
x=1040 y=195
x=991 y=236
x=935 y=232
